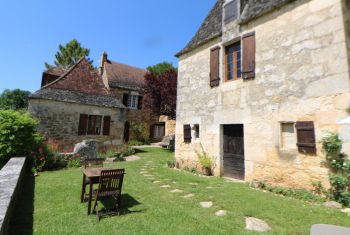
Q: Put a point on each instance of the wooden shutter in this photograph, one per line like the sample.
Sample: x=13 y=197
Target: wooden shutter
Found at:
x=126 y=131
x=151 y=132
x=187 y=134
x=306 y=137
x=248 y=57
x=214 y=66
x=106 y=125
x=83 y=123
x=139 y=102
x=125 y=99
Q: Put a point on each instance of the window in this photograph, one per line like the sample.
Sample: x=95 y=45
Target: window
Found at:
x=132 y=101
x=231 y=11
x=187 y=134
x=233 y=61
x=288 y=138
x=196 y=129
x=158 y=131
x=92 y=124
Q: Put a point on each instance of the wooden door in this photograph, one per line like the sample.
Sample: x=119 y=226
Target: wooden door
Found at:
x=126 y=131
x=233 y=151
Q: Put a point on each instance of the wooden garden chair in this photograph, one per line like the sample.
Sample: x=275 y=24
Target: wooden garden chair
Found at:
x=90 y=163
x=110 y=186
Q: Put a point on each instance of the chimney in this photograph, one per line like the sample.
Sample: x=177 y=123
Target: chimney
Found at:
x=102 y=62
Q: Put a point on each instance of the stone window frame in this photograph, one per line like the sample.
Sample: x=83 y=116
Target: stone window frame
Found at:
x=281 y=141
x=196 y=129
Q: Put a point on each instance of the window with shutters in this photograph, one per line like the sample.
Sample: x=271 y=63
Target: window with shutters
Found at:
x=187 y=134
x=92 y=125
x=248 y=56
x=233 y=61
x=288 y=137
x=230 y=11
x=132 y=101
x=306 y=140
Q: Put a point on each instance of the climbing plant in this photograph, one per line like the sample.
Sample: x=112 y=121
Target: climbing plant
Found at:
x=339 y=164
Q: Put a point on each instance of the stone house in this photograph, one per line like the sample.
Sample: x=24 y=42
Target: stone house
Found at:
x=260 y=83
x=77 y=106
x=104 y=104
x=127 y=84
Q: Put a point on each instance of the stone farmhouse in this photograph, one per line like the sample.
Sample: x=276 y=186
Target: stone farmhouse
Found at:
x=84 y=103
x=260 y=83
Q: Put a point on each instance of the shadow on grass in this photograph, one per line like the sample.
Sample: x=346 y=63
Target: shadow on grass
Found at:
x=21 y=221
x=137 y=150
x=127 y=203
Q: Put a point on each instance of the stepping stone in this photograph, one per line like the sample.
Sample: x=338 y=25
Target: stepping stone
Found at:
x=333 y=204
x=165 y=186
x=151 y=178
x=209 y=187
x=156 y=182
x=174 y=182
x=255 y=224
x=189 y=195
x=221 y=213
x=132 y=158
x=144 y=172
x=346 y=211
x=176 y=191
x=146 y=175
x=193 y=183
x=206 y=204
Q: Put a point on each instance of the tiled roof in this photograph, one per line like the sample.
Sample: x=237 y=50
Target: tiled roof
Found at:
x=55 y=71
x=255 y=8
x=125 y=76
x=212 y=25
x=210 y=28
x=77 y=97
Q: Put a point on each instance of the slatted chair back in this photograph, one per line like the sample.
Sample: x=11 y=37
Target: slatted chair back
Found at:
x=111 y=182
x=93 y=163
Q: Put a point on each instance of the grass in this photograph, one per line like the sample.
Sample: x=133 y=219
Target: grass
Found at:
x=54 y=206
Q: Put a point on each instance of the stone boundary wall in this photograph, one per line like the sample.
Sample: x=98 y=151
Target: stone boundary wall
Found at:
x=10 y=177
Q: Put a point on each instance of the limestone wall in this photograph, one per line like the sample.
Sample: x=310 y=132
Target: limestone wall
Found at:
x=59 y=122
x=302 y=73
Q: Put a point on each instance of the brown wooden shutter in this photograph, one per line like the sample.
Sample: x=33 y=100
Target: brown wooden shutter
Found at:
x=106 y=125
x=187 y=134
x=306 y=137
x=214 y=66
x=139 y=102
x=248 y=56
x=83 y=123
x=125 y=99
x=151 y=132
x=126 y=131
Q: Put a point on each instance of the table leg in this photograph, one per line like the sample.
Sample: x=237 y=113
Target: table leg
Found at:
x=83 y=190
x=90 y=197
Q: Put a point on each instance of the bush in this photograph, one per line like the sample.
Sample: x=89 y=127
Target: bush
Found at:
x=301 y=194
x=18 y=135
x=139 y=142
x=206 y=162
x=340 y=166
x=118 y=152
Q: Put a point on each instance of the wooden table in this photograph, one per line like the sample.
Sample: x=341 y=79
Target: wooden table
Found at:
x=94 y=175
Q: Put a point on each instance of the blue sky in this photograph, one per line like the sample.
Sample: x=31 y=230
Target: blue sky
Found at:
x=139 y=32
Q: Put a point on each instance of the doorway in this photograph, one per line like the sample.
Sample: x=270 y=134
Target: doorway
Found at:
x=233 y=146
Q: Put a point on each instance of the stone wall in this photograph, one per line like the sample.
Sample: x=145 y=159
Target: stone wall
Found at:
x=302 y=74
x=136 y=116
x=10 y=179
x=170 y=125
x=59 y=122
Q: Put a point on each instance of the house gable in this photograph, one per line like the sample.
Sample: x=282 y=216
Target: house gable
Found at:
x=80 y=78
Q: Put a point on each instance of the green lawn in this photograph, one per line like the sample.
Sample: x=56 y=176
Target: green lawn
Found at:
x=150 y=209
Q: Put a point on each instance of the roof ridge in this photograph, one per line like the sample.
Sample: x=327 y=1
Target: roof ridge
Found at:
x=132 y=66
x=65 y=74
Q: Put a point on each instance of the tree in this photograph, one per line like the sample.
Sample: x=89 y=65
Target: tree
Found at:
x=15 y=99
x=69 y=55
x=160 y=89
x=161 y=68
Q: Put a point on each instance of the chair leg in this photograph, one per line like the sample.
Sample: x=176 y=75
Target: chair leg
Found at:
x=83 y=188
x=95 y=204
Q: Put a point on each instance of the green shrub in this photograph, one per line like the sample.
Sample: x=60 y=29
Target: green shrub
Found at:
x=206 y=161
x=301 y=194
x=74 y=162
x=139 y=142
x=18 y=135
x=340 y=165
x=171 y=164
